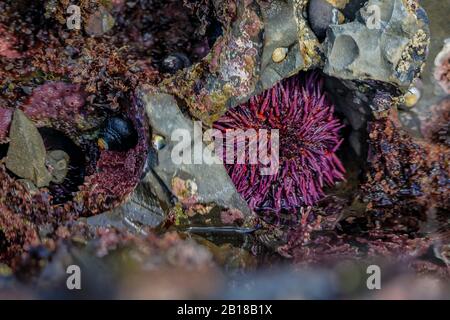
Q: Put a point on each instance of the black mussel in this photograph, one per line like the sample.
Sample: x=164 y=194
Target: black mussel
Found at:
x=118 y=134
x=174 y=62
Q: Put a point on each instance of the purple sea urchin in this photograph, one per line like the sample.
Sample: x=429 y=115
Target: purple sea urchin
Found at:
x=308 y=133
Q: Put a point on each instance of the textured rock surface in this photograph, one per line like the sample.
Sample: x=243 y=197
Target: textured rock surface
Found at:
x=321 y=14
x=393 y=51
x=431 y=91
x=206 y=184
x=240 y=64
x=142 y=209
x=26 y=153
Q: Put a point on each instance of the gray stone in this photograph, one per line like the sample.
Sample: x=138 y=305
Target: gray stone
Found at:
x=391 y=51
x=141 y=210
x=211 y=183
x=26 y=153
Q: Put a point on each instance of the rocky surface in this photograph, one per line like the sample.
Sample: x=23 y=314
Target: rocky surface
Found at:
x=199 y=187
x=391 y=50
x=26 y=152
x=237 y=51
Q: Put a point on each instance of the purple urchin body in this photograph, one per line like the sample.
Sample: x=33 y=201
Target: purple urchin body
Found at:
x=308 y=140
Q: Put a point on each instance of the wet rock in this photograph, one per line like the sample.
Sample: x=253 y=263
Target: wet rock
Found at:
x=26 y=153
x=321 y=14
x=58 y=164
x=240 y=63
x=280 y=31
x=351 y=8
x=141 y=210
x=391 y=50
x=196 y=185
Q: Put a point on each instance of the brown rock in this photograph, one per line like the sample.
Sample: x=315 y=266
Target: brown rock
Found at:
x=26 y=153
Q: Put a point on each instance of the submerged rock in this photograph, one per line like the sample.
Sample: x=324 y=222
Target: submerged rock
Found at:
x=200 y=188
x=26 y=153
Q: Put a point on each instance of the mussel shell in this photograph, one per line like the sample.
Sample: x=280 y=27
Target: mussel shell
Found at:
x=119 y=134
x=175 y=62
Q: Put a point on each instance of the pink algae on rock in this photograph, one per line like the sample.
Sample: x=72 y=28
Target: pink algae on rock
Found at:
x=7 y=42
x=109 y=176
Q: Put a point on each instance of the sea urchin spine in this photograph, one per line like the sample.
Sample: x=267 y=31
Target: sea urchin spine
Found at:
x=309 y=138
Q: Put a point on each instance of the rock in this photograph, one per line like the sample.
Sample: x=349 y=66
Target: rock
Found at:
x=141 y=210
x=351 y=8
x=322 y=14
x=26 y=153
x=392 y=50
x=280 y=31
x=190 y=184
x=58 y=164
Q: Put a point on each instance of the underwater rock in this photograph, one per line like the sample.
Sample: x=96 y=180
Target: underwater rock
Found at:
x=280 y=33
x=56 y=104
x=392 y=50
x=97 y=180
x=26 y=153
x=197 y=186
x=240 y=63
x=436 y=127
x=16 y=233
x=29 y=186
x=406 y=176
x=140 y=211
